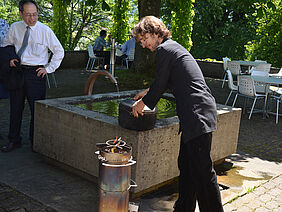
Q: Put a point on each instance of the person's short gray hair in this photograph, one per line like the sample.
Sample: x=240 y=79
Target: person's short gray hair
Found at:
x=23 y=2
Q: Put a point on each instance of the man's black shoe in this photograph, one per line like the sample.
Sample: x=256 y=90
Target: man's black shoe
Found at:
x=10 y=147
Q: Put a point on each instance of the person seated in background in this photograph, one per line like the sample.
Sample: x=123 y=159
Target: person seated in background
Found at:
x=99 y=45
x=127 y=46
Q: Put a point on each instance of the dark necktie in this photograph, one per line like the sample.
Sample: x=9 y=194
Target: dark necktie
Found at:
x=25 y=42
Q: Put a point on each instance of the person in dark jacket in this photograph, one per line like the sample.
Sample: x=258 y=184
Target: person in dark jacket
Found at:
x=177 y=70
x=4 y=27
x=6 y=53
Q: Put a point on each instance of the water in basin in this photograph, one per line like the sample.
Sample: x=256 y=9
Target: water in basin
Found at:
x=165 y=108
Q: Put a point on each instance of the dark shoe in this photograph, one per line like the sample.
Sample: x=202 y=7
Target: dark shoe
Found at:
x=10 y=147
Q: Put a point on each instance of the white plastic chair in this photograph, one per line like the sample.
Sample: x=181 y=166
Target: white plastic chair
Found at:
x=279 y=74
x=92 y=58
x=262 y=67
x=52 y=74
x=246 y=89
x=234 y=67
x=260 y=87
x=233 y=88
x=54 y=80
x=261 y=61
x=130 y=57
x=119 y=53
x=278 y=99
x=225 y=59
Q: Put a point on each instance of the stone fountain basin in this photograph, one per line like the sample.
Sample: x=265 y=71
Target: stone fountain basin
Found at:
x=68 y=134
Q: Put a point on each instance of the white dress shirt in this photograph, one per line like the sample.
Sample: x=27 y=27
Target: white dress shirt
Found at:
x=128 y=45
x=41 y=39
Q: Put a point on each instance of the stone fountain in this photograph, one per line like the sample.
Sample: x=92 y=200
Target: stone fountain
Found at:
x=69 y=134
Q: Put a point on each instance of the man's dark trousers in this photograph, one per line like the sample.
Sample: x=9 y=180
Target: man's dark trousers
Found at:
x=197 y=180
x=34 y=89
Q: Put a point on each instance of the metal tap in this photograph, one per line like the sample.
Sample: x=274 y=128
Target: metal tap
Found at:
x=92 y=78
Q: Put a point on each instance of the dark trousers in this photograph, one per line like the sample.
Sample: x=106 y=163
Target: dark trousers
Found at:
x=34 y=88
x=197 y=180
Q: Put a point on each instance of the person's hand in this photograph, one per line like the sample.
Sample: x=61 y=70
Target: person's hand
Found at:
x=137 y=108
x=140 y=95
x=12 y=62
x=41 y=72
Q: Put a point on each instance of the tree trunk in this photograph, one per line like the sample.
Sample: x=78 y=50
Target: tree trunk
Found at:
x=144 y=59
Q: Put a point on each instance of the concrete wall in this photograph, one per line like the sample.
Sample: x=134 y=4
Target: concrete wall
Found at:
x=74 y=60
x=69 y=135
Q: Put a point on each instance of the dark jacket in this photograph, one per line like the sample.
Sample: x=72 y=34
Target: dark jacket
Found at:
x=6 y=54
x=177 y=70
x=11 y=78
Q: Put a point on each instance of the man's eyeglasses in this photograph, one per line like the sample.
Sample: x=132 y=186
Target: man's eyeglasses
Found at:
x=30 y=15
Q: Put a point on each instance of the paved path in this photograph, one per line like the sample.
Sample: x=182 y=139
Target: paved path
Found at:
x=29 y=184
x=267 y=197
x=12 y=200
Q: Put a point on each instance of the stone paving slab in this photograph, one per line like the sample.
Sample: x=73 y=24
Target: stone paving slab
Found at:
x=13 y=201
x=267 y=197
x=30 y=174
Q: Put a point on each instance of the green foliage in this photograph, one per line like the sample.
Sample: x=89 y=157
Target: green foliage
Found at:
x=77 y=22
x=120 y=29
x=224 y=27
x=9 y=11
x=60 y=20
x=221 y=29
x=269 y=30
x=182 y=22
x=178 y=15
x=133 y=13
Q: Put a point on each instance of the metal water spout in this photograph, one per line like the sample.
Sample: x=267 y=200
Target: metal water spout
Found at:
x=92 y=78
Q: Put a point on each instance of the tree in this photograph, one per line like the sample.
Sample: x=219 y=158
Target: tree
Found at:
x=60 y=20
x=178 y=16
x=223 y=27
x=144 y=59
x=79 y=21
x=269 y=30
x=120 y=19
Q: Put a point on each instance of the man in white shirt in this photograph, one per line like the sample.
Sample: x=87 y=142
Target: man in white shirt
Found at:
x=34 y=64
x=128 y=45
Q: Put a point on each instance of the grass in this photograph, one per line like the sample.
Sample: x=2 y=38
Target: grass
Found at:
x=248 y=191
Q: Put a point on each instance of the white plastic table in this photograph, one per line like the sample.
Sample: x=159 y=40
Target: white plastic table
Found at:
x=250 y=63
x=268 y=81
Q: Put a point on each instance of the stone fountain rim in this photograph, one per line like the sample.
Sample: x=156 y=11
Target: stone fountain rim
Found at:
x=67 y=104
